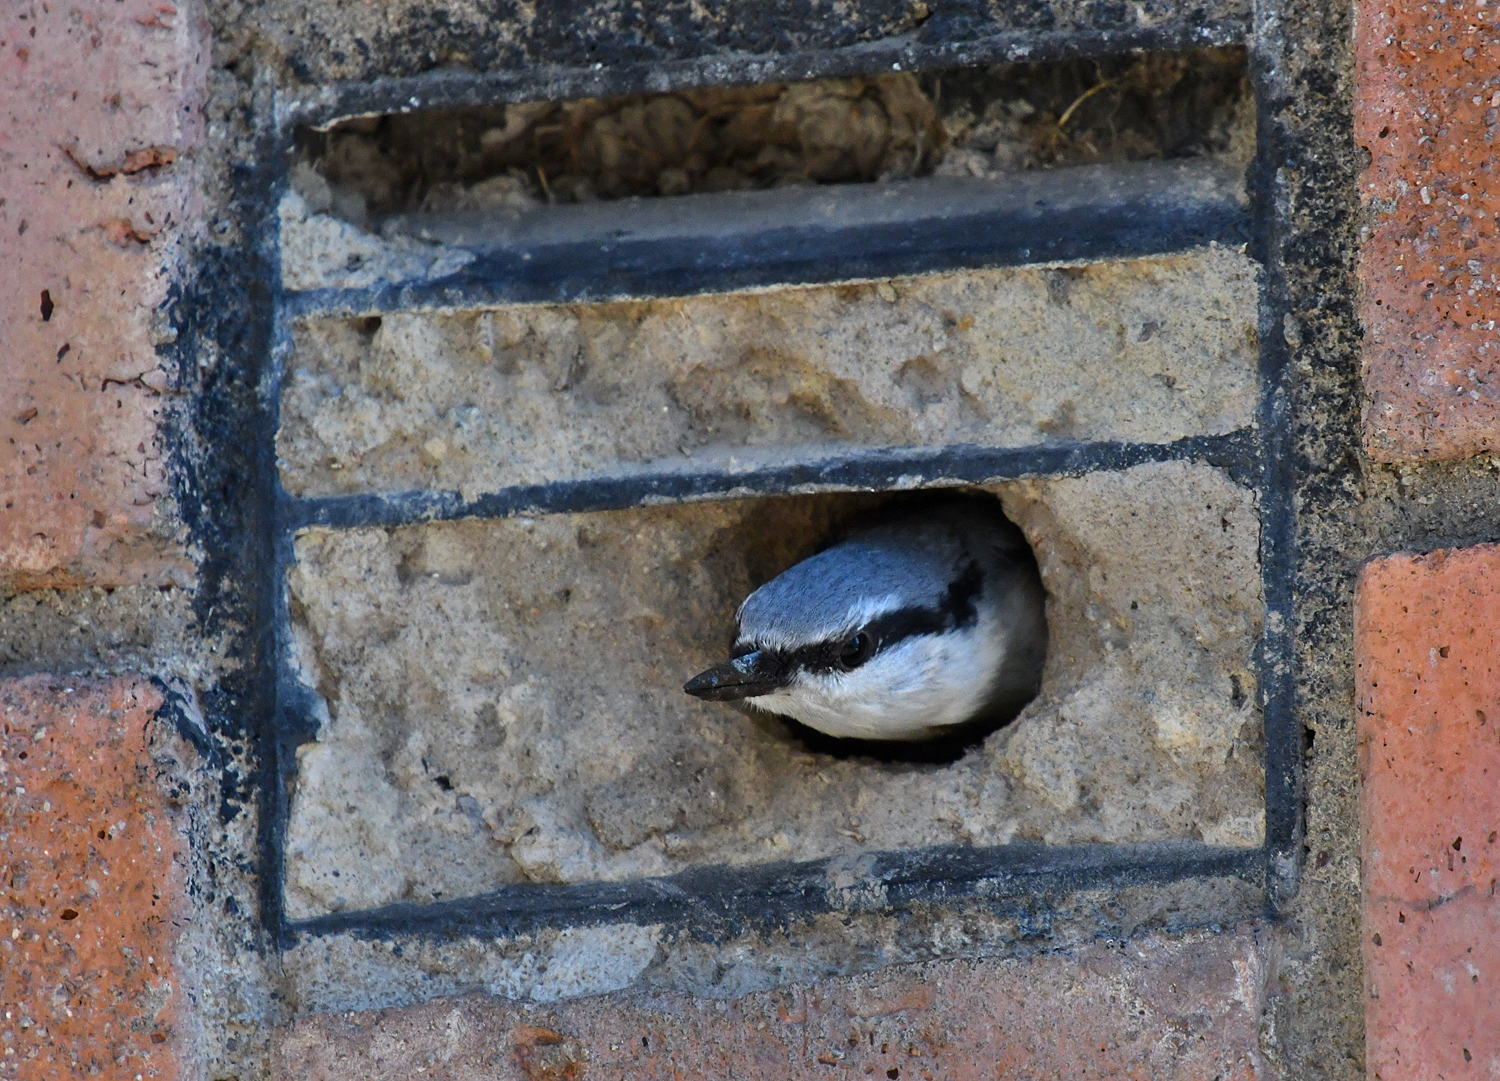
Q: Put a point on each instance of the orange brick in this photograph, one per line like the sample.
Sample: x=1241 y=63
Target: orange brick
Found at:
x=86 y=882
x=100 y=110
x=1163 y=1008
x=1427 y=107
x=1427 y=656
x=1432 y=1009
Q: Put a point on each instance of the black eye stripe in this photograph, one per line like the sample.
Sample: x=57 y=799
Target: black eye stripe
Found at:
x=959 y=608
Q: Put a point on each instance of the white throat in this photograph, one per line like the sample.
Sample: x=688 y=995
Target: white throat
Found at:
x=924 y=682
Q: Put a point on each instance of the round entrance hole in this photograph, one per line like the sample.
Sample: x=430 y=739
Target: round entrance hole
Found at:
x=908 y=631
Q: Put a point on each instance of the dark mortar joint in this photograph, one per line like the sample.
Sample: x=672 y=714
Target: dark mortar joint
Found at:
x=723 y=902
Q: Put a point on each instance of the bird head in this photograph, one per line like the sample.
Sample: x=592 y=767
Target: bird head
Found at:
x=890 y=635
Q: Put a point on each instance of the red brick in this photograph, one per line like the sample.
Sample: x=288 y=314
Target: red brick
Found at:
x=1428 y=662
x=1162 y=1008
x=1426 y=108
x=87 y=878
x=1427 y=656
x=100 y=112
x=1431 y=983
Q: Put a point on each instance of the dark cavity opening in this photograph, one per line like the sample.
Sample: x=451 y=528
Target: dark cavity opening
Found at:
x=763 y=536
x=980 y=122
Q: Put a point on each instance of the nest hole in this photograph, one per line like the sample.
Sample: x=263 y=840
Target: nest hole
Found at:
x=779 y=533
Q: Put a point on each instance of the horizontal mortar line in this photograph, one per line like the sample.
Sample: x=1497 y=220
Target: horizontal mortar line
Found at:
x=726 y=241
x=780 y=893
x=883 y=470
x=941 y=43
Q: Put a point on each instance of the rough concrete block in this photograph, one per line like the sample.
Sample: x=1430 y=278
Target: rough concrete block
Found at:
x=1161 y=1008
x=87 y=980
x=504 y=698
x=100 y=112
x=1427 y=641
x=1427 y=109
x=1148 y=350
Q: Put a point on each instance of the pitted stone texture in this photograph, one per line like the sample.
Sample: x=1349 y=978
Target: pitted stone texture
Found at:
x=1162 y=1008
x=86 y=863
x=1428 y=110
x=1427 y=639
x=99 y=116
x=318 y=251
x=1149 y=350
x=504 y=698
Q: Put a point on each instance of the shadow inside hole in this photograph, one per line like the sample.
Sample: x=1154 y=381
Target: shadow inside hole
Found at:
x=944 y=750
x=981 y=120
x=779 y=533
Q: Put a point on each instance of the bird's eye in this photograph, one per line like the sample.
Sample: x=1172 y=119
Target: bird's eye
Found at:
x=857 y=650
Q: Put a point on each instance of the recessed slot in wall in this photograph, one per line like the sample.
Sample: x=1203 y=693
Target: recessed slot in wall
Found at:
x=503 y=697
x=422 y=195
x=965 y=122
x=1147 y=350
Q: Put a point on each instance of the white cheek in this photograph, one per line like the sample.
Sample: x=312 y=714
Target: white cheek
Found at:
x=924 y=683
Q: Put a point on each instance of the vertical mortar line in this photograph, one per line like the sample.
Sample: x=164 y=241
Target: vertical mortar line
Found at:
x=280 y=734
x=1277 y=476
x=220 y=479
x=257 y=272
x=289 y=696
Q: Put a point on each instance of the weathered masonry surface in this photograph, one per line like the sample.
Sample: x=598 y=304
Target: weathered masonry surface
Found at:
x=401 y=400
x=510 y=764
x=482 y=636
x=1429 y=115
x=1428 y=110
x=1427 y=689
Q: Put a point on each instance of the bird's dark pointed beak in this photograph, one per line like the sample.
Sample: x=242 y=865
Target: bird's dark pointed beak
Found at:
x=753 y=674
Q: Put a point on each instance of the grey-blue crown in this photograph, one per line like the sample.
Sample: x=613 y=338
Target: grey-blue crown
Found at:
x=822 y=597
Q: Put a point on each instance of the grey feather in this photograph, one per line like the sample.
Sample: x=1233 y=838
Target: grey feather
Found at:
x=813 y=601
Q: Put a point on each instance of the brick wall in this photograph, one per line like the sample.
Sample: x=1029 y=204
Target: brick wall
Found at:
x=103 y=115
x=142 y=932
x=101 y=122
x=1428 y=110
